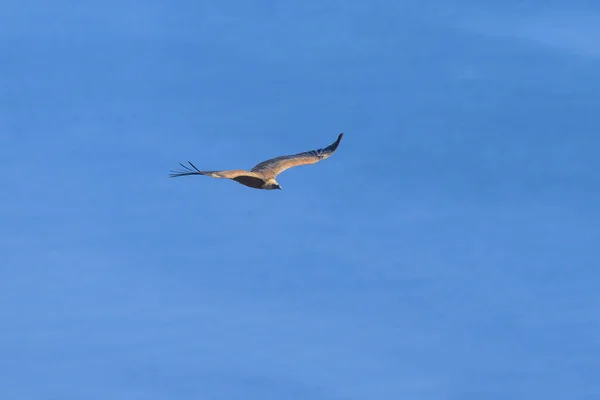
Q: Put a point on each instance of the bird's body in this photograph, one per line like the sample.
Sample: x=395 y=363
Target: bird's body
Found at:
x=263 y=175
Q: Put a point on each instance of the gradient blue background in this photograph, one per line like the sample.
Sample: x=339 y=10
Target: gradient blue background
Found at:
x=448 y=250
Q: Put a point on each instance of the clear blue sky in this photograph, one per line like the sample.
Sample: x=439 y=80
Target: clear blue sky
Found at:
x=448 y=250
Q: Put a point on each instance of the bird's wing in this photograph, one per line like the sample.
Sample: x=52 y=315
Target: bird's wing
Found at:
x=274 y=166
x=228 y=174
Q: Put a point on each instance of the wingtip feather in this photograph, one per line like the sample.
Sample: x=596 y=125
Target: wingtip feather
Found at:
x=335 y=145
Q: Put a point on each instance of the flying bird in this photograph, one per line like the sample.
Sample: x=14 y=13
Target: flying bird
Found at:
x=262 y=175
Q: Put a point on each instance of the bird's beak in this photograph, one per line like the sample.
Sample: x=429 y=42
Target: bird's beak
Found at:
x=279 y=187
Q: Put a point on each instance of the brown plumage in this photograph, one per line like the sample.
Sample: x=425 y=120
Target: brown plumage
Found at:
x=263 y=175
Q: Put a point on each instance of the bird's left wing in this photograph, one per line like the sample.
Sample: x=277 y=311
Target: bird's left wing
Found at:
x=274 y=166
x=228 y=174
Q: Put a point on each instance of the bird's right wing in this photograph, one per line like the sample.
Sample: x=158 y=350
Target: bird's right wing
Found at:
x=274 y=166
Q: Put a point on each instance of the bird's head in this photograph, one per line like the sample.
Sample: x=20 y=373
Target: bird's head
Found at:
x=272 y=185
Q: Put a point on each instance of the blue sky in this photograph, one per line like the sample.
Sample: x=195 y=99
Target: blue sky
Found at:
x=448 y=250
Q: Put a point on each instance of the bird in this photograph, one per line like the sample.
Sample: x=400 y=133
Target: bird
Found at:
x=263 y=174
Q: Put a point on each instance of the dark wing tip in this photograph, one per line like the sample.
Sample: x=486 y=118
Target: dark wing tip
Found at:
x=185 y=171
x=332 y=147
